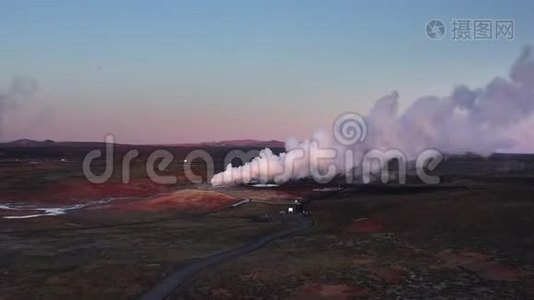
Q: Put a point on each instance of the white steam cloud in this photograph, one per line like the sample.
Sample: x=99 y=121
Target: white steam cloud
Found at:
x=496 y=118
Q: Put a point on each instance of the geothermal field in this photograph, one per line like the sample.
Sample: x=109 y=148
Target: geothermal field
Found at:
x=433 y=201
x=469 y=236
x=266 y=150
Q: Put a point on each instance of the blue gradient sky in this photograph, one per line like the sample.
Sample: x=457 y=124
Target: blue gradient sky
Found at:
x=188 y=71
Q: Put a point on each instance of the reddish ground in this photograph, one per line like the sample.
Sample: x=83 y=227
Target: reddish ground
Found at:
x=365 y=225
x=78 y=190
x=391 y=274
x=184 y=200
x=483 y=264
x=264 y=194
x=329 y=291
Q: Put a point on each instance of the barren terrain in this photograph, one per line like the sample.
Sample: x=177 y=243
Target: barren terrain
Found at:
x=470 y=236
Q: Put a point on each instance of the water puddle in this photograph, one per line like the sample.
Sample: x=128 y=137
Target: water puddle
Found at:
x=26 y=211
x=264 y=185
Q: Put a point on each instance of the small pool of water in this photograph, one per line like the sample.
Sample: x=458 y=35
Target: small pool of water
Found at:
x=32 y=210
x=264 y=185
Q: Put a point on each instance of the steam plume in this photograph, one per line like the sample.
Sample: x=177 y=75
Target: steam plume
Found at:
x=19 y=92
x=496 y=118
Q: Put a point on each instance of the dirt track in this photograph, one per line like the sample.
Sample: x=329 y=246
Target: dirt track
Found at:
x=174 y=281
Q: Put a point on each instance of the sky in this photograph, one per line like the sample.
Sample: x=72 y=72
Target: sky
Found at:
x=193 y=71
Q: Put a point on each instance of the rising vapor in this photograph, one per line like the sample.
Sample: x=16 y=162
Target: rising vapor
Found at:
x=496 y=118
x=19 y=92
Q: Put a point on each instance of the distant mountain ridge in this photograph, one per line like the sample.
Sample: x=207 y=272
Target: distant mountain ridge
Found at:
x=239 y=143
x=27 y=143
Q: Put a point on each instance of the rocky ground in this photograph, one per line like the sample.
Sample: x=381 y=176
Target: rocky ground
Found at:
x=469 y=237
x=470 y=241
